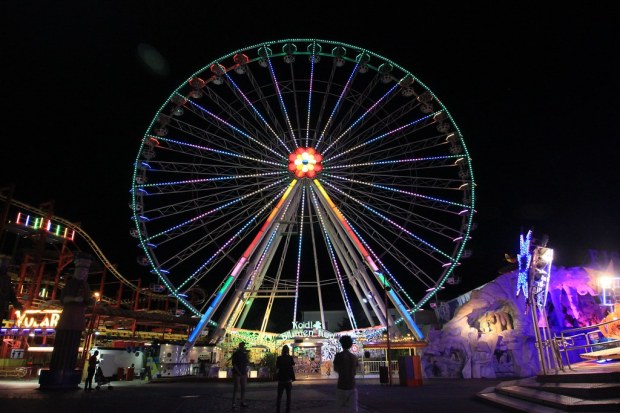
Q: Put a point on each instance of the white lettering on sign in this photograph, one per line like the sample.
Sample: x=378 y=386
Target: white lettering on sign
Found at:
x=17 y=353
x=307 y=324
x=303 y=332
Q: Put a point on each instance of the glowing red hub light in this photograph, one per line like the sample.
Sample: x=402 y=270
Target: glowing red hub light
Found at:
x=305 y=162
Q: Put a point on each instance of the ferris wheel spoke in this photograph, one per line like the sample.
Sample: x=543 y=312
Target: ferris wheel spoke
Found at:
x=194 y=142
x=235 y=226
x=255 y=125
x=255 y=113
x=346 y=88
x=383 y=144
x=193 y=221
x=393 y=224
x=165 y=203
x=357 y=217
x=237 y=130
x=358 y=120
x=419 y=223
x=197 y=125
x=441 y=198
x=398 y=256
x=283 y=108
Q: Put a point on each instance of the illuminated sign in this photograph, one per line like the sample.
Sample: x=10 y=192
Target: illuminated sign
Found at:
x=307 y=329
x=37 y=318
x=38 y=322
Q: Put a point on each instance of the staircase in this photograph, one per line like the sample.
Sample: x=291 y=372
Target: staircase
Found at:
x=584 y=388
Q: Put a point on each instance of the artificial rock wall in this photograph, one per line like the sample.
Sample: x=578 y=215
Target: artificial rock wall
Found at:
x=491 y=334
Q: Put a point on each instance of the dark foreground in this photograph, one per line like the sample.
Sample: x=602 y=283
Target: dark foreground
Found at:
x=434 y=396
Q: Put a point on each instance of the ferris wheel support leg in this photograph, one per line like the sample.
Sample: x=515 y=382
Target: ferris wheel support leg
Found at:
x=402 y=310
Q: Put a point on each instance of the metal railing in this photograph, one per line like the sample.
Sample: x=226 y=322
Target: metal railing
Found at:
x=588 y=339
x=372 y=366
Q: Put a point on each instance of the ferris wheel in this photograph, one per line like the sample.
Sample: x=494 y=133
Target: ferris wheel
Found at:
x=302 y=174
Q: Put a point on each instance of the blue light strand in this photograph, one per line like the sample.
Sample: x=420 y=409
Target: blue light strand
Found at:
x=524 y=258
x=227 y=204
x=237 y=130
x=394 y=161
x=310 y=86
x=378 y=261
x=282 y=105
x=231 y=239
x=358 y=120
x=405 y=230
x=257 y=113
x=337 y=104
x=334 y=262
x=299 y=247
x=387 y=188
x=222 y=178
x=391 y=132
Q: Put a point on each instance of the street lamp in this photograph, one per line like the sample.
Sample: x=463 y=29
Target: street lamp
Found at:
x=387 y=288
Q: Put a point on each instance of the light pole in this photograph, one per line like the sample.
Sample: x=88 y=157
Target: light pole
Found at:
x=386 y=288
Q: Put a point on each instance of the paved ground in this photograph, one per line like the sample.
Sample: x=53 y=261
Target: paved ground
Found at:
x=196 y=396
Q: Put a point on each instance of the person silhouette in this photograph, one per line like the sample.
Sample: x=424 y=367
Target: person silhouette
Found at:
x=345 y=364
x=92 y=367
x=286 y=376
x=240 y=374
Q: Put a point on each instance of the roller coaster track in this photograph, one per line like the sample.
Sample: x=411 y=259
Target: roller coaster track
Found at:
x=91 y=243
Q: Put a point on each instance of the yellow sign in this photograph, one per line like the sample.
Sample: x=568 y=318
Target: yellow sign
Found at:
x=34 y=319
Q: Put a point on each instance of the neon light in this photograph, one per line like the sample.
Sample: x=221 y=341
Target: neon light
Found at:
x=523 y=259
x=45 y=224
x=397 y=302
x=346 y=226
x=270 y=218
x=37 y=318
x=238 y=267
x=305 y=162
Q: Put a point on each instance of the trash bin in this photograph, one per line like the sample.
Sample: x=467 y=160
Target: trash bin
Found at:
x=130 y=374
x=120 y=373
x=383 y=375
x=409 y=371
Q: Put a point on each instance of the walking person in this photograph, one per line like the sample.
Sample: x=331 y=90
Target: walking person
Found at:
x=345 y=364
x=240 y=374
x=92 y=367
x=286 y=376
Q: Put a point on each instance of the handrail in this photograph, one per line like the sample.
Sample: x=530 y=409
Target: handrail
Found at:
x=566 y=339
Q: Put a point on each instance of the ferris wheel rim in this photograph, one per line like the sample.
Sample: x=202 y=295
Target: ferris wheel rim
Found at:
x=337 y=184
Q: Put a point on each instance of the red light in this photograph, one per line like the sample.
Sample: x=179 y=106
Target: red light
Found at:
x=305 y=162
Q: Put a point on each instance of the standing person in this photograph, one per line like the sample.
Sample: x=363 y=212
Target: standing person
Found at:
x=345 y=364
x=92 y=367
x=240 y=374
x=286 y=377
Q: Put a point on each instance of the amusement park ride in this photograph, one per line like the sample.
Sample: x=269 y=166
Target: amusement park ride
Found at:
x=293 y=175
x=300 y=169
x=44 y=247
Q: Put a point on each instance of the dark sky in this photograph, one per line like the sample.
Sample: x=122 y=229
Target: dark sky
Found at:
x=533 y=88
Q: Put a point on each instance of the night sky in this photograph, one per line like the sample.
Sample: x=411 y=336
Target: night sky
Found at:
x=533 y=88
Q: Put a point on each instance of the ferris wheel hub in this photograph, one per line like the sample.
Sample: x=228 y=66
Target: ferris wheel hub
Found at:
x=305 y=162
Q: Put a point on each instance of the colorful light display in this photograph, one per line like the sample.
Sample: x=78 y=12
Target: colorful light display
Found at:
x=45 y=224
x=305 y=162
x=523 y=259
